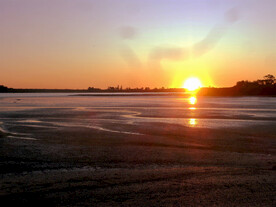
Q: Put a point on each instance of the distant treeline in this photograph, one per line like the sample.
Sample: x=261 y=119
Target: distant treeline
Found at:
x=146 y=89
x=260 y=87
x=4 y=89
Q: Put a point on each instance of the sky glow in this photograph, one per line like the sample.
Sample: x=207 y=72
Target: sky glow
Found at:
x=137 y=43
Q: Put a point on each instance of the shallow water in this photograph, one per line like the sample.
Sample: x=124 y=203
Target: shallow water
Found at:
x=42 y=109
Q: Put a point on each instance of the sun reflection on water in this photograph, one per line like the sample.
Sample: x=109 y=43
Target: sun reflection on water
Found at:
x=192 y=100
x=192 y=122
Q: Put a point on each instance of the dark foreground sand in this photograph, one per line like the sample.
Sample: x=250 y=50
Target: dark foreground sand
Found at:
x=142 y=164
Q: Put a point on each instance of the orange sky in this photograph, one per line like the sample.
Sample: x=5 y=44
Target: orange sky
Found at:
x=139 y=43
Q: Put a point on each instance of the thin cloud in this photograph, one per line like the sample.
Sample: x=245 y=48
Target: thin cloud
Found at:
x=130 y=57
x=200 y=48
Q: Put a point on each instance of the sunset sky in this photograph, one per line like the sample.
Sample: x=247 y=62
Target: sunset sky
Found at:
x=135 y=43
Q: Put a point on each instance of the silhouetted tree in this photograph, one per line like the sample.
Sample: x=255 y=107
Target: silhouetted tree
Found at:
x=265 y=86
x=269 y=79
x=3 y=88
x=92 y=89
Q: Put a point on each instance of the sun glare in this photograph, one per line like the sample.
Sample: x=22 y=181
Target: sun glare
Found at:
x=192 y=84
x=192 y=100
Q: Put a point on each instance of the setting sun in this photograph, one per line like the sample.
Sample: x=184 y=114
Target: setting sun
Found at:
x=192 y=84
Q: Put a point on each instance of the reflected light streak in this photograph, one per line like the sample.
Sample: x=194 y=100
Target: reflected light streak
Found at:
x=192 y=122
x=192 y=108
x=192 y=100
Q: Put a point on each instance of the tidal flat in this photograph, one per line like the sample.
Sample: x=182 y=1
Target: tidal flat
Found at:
x=61 y=150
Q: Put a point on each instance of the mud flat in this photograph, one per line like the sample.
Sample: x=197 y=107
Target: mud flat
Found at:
x=136 y=157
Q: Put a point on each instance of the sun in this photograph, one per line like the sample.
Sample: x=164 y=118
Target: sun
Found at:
x=192 y=84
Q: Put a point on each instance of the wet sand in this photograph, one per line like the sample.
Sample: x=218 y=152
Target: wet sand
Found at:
x=118 y=157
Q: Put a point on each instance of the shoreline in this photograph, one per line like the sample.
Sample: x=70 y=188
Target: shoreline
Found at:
x=129 y=93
